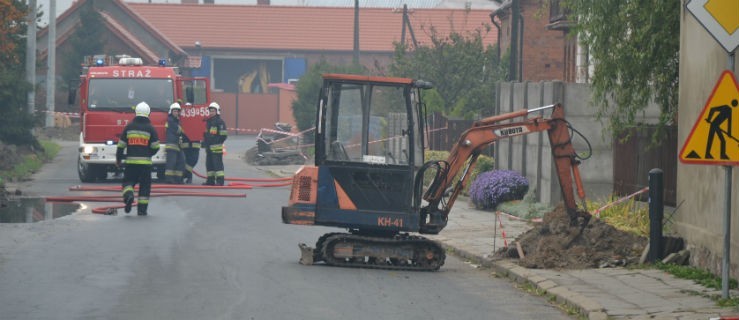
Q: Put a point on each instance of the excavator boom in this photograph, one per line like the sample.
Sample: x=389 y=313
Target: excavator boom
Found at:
x=487 y=131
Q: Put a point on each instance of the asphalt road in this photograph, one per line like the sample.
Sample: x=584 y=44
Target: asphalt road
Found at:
x=219 y=258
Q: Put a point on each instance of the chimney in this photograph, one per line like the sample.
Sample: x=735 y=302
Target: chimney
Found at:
x=263 y=2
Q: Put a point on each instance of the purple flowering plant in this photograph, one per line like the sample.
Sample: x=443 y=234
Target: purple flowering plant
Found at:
x=492 y=188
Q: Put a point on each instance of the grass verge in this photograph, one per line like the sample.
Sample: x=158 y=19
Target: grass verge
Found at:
x=31 y=163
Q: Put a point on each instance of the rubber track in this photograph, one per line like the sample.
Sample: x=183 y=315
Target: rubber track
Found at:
x=326 y=242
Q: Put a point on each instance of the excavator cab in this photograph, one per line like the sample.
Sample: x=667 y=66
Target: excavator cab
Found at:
x=368 y=148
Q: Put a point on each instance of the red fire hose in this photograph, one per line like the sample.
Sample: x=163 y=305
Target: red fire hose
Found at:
x=165 y=190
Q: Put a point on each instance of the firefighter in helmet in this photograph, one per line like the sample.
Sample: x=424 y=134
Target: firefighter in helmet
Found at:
x=175 y=166
x=213 y=138
x=140 y=141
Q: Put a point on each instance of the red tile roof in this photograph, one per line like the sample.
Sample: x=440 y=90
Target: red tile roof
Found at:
x=300 y=28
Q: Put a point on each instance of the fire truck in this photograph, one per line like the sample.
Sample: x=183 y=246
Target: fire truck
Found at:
x=109 y=88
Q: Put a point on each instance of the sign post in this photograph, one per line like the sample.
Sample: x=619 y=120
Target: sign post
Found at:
x=721 y=20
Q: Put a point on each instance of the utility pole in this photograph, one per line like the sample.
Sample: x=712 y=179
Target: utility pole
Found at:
x=51 y=61
x=31 y=55
x=356 y=32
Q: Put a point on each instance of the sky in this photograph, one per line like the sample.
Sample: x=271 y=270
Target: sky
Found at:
x=63 y=5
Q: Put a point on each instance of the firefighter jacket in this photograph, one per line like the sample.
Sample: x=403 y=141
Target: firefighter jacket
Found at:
x=175 y=134
x=140 y=141
x=215 y=134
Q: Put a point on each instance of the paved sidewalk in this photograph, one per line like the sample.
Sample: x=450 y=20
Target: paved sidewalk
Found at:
x=609 y=293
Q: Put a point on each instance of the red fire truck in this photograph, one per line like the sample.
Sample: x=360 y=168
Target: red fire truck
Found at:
x=109 y=89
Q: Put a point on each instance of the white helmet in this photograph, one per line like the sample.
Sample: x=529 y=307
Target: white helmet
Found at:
x=216 y=106
x=174 y=106
x=142 y=109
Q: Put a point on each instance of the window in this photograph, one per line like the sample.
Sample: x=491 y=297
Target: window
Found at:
x=367 y=123
x=124 y=94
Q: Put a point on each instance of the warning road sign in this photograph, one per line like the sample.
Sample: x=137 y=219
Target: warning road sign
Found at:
x=715 y=135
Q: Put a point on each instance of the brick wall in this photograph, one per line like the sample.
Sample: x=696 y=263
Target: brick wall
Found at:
x=543 y=49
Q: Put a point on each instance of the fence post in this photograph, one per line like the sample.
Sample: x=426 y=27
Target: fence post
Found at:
x=656 y=214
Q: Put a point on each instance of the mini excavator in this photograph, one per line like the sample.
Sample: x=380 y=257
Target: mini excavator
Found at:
x=369 y=172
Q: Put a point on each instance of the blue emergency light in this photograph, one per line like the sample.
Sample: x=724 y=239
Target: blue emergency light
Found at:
x=100 y=62
x=162 y=62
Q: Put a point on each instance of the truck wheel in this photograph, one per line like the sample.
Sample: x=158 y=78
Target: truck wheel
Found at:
x=86 y=172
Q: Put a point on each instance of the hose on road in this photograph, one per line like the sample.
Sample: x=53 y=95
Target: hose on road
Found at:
x=168 y=190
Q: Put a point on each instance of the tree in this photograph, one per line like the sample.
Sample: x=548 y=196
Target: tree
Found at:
x=15 y=124
x=304 y=107
x=86 y=40
x=462 y=69
x=635 y=47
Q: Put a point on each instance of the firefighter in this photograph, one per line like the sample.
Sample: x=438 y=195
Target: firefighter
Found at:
x=175 y=166
x=213 y=138
x=140 y=141
x=191 y=149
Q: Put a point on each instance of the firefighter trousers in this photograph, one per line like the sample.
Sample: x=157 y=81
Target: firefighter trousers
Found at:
x=191 y=159
x=175 y=166
x=214 y=167
x=139 y=174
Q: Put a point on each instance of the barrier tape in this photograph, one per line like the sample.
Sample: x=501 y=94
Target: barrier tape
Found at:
x=498 y=217
x=69 y=114
x=502 y=231
x=512 y=217
x=243 y=130
x=596 y=213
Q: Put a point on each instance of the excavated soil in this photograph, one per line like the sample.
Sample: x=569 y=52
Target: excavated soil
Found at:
x=554 y=244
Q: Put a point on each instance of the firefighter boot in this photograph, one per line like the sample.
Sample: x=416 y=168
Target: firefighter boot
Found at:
x=127 y=200
x=211 y=181
x=141 y=209
x=220 y=181
x=187 y=178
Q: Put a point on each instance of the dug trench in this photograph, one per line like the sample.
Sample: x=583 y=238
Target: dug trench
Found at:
x=555 y=244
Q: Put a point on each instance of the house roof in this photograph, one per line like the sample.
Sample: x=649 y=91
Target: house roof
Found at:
x=265 y=27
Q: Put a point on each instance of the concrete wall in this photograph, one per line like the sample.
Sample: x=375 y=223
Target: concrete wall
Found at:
x=700 y=188
x=531 y=154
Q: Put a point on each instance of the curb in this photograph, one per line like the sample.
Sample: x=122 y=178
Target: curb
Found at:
x=584 y=305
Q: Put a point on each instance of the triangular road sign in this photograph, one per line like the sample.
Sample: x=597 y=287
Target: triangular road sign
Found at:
x=714 y=139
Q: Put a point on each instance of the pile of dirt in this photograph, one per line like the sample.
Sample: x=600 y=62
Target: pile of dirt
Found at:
x=555 y=244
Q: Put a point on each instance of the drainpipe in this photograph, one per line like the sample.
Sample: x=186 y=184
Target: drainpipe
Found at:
x=497 y=26
x=520 y=48
x=513 y=66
